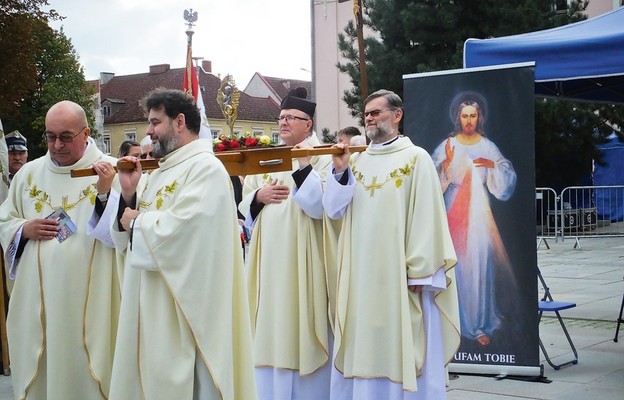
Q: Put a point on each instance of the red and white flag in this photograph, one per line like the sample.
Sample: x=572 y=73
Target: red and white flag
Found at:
x=191 y=86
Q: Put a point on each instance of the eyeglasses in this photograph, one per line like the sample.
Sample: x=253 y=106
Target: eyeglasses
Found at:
x=375 y=113
x=144 y=155
x=291 y=118
x=63 y=137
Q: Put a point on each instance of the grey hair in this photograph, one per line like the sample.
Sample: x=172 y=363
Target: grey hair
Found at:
x=393 y=99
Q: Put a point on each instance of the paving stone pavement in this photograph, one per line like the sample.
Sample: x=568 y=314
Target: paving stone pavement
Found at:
x=592 y=276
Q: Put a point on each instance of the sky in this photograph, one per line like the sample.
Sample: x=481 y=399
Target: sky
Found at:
x=239 y=37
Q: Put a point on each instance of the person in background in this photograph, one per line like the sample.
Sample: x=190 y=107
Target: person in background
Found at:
x=345 y=134
x=184 y=330
x=129 y=148
x=18 y=152
x=287 y=280
x=146 y=148
x=397 y=318
x=65 y=299
x=358 y=141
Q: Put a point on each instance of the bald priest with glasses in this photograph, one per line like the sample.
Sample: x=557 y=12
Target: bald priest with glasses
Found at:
x=65 y=299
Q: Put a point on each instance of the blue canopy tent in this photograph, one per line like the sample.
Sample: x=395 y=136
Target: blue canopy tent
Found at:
x=583 y=61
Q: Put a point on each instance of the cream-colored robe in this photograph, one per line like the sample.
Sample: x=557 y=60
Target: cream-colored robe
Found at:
x=286 y=279
x=394 y=229
x=65 y=301
x=4 y=167
x=183 y=292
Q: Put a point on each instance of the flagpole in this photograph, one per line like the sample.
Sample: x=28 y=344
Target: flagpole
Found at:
x=191 y=75
x=357 y=10
x=359 y=24
x=190 y=17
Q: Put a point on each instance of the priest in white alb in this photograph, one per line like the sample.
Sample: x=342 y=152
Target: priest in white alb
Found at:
x=184 y=330
x=65 y=299
x=397 y=321
x=287 y=278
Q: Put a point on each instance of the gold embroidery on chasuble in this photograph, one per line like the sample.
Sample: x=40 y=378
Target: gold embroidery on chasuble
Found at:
x=395 y=176
x=163 y=193
x=268 y=179
x=42 y=198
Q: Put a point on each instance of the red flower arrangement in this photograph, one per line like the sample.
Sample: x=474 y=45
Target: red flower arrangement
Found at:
x=225 y=143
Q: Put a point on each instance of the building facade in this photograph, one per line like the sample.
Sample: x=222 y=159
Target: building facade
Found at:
x=123 y=117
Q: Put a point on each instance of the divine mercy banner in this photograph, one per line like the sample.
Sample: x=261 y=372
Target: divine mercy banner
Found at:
x=478 y=126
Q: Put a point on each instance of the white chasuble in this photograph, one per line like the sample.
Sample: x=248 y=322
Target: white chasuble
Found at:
x=394 y=230
x=287 y=280
x=184 y=319
x=65 y=301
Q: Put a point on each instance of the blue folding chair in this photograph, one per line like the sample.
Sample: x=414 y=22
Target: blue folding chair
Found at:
x=620 y=320
x=547 y=304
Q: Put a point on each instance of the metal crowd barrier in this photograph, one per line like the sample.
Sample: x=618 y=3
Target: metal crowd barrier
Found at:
x=546 y=205
x=579 y=212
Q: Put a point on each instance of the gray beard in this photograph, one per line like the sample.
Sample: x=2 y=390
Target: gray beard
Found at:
x=379 y=133
x=162 y=148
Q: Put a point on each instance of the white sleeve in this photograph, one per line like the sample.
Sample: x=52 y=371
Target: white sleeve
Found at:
x=337 y=197
x=98 y=227
x=432 y=283
x=12 y=252
x=249 y=220
x=310 y=195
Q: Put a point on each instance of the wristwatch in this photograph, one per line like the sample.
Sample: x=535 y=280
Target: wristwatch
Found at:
x=102 y=197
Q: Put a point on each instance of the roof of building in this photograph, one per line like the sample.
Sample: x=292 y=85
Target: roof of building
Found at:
x=281 y=86
x=130 y=89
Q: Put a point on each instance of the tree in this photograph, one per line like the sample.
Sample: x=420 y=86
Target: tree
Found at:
x=328 y=137
x=414 y=36
x=59 y=76
x=18 y=72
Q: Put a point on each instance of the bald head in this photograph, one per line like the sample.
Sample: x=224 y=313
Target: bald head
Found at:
x=67 y=132
x=69 y=110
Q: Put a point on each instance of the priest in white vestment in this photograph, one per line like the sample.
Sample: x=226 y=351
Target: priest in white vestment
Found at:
x=65 y=300
x=397 y=321
x=287 y=279
x=184 y=329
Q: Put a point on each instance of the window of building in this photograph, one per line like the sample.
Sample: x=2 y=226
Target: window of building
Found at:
x=130 y=134
x=106 y=111
x=106 y=141
x=215 y=133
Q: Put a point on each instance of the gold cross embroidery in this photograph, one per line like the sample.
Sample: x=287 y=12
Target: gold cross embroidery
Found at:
x=373 y=186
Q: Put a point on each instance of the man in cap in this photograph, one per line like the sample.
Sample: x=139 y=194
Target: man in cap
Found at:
x=18 y=152
x=287 y=280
